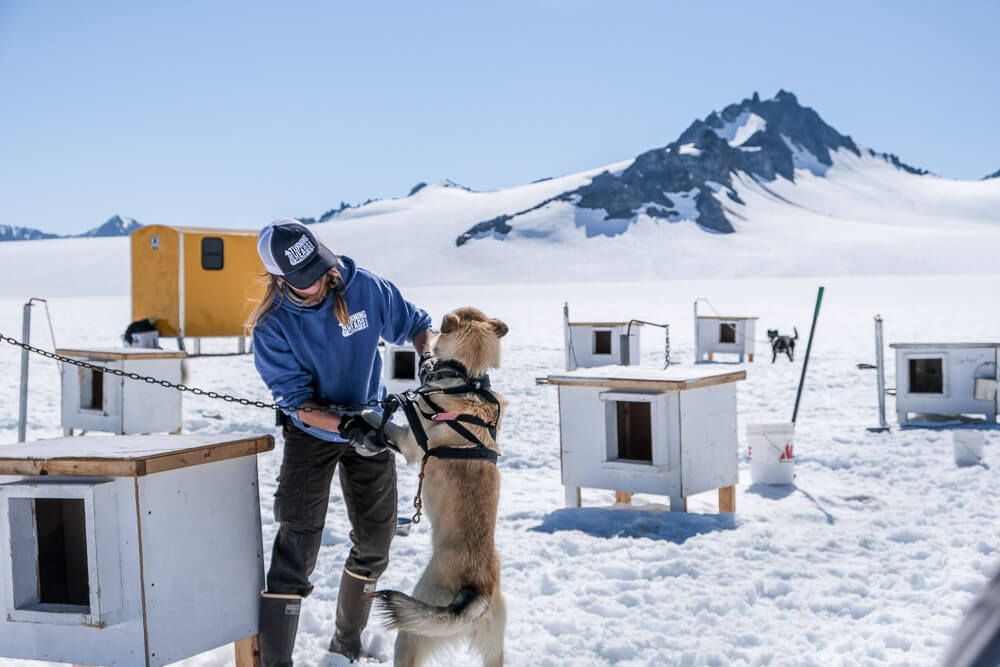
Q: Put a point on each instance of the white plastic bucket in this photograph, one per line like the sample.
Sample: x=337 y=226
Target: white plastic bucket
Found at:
x=968 y=447
x=772 y=459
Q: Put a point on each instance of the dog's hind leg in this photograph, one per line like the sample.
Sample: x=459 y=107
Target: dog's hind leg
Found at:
x=487 y=636
x=413 y=650
x=774 y=354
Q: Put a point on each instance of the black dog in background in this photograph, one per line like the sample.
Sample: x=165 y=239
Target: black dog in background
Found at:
x=784 y=344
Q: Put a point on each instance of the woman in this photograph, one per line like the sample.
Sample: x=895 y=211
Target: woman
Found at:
x=315 y=342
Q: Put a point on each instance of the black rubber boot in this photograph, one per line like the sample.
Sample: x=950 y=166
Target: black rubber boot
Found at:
x=354 y=603
x=279 y=621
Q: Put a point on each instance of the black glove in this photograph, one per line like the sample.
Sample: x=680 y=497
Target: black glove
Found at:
x=427 y=363
x=360 y=434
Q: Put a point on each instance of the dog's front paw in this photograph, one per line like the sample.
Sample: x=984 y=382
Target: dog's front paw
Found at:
x=405 y=443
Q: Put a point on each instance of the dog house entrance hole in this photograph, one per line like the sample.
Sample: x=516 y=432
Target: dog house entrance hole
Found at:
x=50 y=571
x=635 y=432
x=91 y=389
x=727 y=332
x=926 y=376
x=602 y=342
x=404 y=365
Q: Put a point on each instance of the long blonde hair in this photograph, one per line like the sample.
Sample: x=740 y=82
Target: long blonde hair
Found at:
x=274 y=294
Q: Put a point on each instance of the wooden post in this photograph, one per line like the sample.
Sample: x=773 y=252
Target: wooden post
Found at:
x=248 y=652
x=711 y=356
x=727 y=499
x=750 y=357
x=623 y=498
x=573 y=497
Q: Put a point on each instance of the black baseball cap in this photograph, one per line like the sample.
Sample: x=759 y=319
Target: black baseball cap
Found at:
x=288 y=249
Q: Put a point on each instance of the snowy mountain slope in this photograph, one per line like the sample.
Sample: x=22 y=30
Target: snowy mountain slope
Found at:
x=14 y=233
x=116 y=225
x=764 y=187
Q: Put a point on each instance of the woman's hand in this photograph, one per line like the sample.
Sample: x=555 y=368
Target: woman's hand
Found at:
x=360 y=434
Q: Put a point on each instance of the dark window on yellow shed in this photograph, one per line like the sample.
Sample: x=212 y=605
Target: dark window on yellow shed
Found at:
x=211 y=254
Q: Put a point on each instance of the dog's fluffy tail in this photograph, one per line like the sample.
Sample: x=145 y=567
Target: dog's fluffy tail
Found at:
x=402 y=612
x=796 y=333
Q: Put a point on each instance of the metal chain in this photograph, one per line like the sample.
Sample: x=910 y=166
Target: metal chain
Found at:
x=666 y=346
x=179 y=387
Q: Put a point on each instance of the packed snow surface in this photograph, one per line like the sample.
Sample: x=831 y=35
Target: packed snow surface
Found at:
x=870 y=559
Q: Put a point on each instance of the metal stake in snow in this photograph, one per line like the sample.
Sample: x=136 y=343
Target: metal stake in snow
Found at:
x=805 y=362
x=880 y=370
x=22 y=408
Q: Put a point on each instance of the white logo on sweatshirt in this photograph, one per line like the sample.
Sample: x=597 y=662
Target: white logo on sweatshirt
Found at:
x=355 y=323
x=300 y=251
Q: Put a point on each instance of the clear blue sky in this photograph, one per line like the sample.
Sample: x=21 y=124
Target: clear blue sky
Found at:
x=234 y=113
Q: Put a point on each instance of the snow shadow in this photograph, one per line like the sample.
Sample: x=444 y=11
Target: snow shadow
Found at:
x=676 y=527
x=779 y=492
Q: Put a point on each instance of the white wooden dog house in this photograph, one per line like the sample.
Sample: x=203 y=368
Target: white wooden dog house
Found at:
x=641 y=430
x=717 y=334
x=591 y=344
x=949 y=379
x=400 y=368
x=135 y=550
x=96 y=401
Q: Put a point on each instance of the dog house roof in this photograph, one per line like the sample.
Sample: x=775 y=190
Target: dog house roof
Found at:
x=126 y=456
x=608 y=325
x=949 y=346
x=724 y=317
x=635 y=377
x=116 y=354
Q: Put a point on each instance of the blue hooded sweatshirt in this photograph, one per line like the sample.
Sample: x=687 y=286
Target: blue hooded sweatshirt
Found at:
x=304 y=353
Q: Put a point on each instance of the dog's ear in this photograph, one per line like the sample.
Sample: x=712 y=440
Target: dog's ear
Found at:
x=449 y=323
x=499 y=328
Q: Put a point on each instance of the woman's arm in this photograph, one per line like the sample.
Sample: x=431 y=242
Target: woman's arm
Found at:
x=319 y=418
x=401 y=320
x=423 y=342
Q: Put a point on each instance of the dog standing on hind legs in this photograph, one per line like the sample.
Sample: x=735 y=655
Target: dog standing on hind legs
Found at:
x=458 y=596
x=784 y=344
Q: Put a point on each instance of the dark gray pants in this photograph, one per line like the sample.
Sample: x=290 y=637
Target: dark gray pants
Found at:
x=369 y=490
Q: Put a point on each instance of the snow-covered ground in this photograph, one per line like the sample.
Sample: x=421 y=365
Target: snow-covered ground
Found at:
x=869 y=560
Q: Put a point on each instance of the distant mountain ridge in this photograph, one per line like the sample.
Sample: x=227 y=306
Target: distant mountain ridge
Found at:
x=116 y=225
x=995 y=174
x=764 y=139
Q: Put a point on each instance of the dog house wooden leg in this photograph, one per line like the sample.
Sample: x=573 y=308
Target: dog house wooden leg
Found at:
x=573 y=498
x=678 y=504
x=750 y=358
x=623 y=498
x=711 y=356
x=727 y=499
x=248 y=652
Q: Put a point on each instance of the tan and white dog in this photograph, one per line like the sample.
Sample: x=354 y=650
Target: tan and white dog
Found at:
x=458 y=597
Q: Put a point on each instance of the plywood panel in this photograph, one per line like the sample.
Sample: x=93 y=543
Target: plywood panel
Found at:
x=203 y=560
x=709 y=448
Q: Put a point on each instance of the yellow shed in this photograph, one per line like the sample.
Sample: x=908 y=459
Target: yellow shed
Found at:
x=194 y=281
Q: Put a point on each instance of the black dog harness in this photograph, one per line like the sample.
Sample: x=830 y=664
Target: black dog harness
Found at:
x=410 y=403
